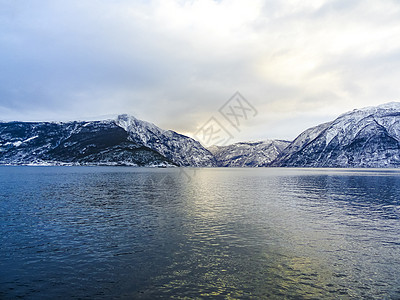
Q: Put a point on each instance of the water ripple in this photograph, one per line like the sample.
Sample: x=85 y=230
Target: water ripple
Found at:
x=225 y=233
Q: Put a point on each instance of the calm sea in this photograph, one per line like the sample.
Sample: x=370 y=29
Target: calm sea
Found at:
x=143 y=233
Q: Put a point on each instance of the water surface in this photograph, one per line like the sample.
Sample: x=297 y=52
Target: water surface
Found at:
x=120 y=232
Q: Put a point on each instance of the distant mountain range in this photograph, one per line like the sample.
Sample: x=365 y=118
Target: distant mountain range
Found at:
x=368 y=137
x=248 y=154
x=123 y=141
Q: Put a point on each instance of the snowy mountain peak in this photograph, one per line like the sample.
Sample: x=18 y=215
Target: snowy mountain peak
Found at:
x=182 y=150
x=367 y=137
x=390 y=105
x=124 y=140
x=380 y=109
x=132 y=124
x=248 y=154
x=125 y=119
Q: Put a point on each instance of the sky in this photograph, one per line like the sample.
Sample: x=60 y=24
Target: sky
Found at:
x=175 y=63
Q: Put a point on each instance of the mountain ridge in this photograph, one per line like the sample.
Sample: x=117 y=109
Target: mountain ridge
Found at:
x=105 y=142
x=248 y=154
x=366 y=137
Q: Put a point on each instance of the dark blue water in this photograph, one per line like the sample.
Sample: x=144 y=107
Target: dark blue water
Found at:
x=128 y=233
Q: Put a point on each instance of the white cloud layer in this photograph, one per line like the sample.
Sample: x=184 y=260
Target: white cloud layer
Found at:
x=175 y=62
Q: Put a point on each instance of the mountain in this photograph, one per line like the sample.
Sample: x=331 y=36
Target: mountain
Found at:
x=251 y=154
x=368 y=137
x=122 y=141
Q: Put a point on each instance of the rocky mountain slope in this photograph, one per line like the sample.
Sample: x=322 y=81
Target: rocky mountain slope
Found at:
x=250 y=154
x=368 y=137
x=123 y=141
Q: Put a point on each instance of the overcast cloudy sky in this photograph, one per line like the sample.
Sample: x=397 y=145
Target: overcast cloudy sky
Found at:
x=176 y=62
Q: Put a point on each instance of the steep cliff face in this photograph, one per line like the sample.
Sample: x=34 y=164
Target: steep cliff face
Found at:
x=124 y=141
x=366 y=137
x=180 y=149
x=251 y=154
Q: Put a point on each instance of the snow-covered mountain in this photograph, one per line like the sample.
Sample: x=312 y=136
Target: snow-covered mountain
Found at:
x=180 y=149
x=121 y=141
x=368 y=137
x=250 y=154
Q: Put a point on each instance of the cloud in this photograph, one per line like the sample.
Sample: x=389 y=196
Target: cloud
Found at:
x=175 y=62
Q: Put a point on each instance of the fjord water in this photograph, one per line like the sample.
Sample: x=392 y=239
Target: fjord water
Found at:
x=120 y=232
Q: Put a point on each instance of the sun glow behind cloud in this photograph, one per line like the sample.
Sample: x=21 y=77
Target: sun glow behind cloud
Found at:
x=176 y=62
